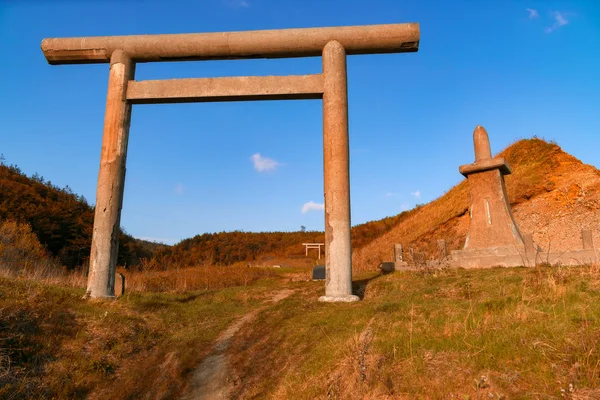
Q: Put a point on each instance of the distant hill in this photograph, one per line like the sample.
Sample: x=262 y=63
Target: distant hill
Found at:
x=553 y=195
x=61 y=219
x=63 y=223
x=226 y=248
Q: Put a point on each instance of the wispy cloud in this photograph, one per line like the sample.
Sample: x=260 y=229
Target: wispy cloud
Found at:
x=416 y=194
x=312 y=206
x=179 y=189
x=263 y=164
x=389 y=194
x=404 y=207
x=237 y=3
x=532 y=13
x=559 y=20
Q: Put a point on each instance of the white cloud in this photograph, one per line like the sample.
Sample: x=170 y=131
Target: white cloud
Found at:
x=532 y=13
x=416 y=194
x=389 y=194
x=312 y=206
x=179 y=189
x=263 y=164
x=559 y=20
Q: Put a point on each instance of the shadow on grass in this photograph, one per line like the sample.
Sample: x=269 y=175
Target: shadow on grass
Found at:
x=359 y=287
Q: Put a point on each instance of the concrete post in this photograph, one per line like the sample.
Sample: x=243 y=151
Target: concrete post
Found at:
x=111 y=179
x=398 y=253
x=336 y=165
x=529 y=245
x=587 y=239
x=442 y=249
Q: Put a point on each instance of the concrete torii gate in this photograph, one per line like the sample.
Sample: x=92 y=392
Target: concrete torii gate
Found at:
x=123 y=52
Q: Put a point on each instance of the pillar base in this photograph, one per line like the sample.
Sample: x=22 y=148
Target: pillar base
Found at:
x=348 y=298
x=88 y=296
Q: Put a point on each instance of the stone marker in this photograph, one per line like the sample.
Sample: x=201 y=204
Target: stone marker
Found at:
x=442 y=249
x=529 y=246
x=588 y=239
x=398 y=253
x=399 y=262
x=493 y=232
x=318 y=273
x=492 y=222
x=119 y=284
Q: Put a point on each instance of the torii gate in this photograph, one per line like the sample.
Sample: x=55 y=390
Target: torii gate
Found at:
x=123 y=52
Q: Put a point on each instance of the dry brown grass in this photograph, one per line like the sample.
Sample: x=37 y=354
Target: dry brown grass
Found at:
x=54 y=344
x=180 y=280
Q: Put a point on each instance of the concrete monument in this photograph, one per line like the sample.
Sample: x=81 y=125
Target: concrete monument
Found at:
x=333 y=44
x=493 y=238
x=493 y=232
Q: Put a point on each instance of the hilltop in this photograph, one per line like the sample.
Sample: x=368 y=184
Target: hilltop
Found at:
x=553 y=196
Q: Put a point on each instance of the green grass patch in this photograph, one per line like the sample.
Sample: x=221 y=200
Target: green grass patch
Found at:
x=517 y=333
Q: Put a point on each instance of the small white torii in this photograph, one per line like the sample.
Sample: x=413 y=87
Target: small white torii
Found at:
x=313 y=246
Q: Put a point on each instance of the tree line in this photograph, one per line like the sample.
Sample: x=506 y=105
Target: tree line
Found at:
x=63 y=223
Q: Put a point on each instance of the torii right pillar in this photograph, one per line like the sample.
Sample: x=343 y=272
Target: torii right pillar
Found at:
x=493 y=238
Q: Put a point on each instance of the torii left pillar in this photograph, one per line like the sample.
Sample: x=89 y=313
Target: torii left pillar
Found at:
x=111 y=179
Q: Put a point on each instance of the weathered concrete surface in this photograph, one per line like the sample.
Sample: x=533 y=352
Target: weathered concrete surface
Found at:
x=529 y=245
x=119 y=284
x=333 y=43
x=336 y=165
x=111 y=180
x=493 y=237
x=398 y=253
x=492 y=223
x=226 y=89
x=588 y=239
x=510 y=257
x=304 y=42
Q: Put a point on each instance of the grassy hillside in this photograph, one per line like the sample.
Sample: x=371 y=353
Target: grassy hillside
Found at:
x=61 y=219
x=227 y=248
x=63 y=222
x=553 y=196
x=54 y=344
x=477 y=334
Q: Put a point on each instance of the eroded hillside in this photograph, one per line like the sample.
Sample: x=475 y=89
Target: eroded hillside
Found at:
x=553 y=195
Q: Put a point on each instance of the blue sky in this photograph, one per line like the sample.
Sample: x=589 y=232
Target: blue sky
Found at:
x=519 y=68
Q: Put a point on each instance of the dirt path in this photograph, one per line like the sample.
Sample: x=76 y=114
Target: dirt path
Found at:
x=211 y=379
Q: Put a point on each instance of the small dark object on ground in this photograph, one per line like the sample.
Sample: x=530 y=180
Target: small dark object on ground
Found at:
x=318 y=273
x=387 y=267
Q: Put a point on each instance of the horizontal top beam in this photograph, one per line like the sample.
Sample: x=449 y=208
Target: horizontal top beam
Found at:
x=235 y=88
x=303 y=42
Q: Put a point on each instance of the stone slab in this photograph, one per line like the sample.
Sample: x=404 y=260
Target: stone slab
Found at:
x=588 y=239
x=387 y=267
x=504 y=257
x=339 y=299
x=318 y=273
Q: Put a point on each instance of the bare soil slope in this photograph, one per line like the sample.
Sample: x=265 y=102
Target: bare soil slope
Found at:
x=553 y=195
